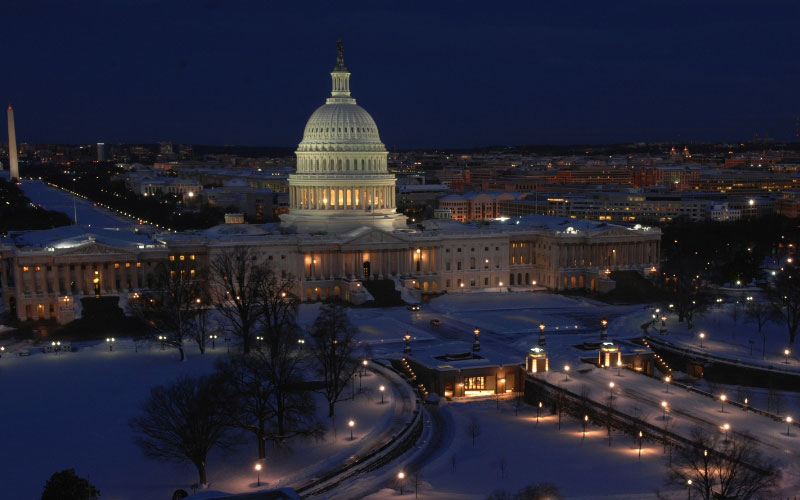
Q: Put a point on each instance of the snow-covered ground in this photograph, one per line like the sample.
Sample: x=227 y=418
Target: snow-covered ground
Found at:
x=72 y=410
x=52 y=198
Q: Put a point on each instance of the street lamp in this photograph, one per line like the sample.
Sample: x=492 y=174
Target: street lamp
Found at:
x=566 y=372
x=162 y=339
x=604 y=331
x=786 y=353
x=689 y=489
x=619 y=368
x=722 y=400
x=351 y=424
x=702 y=336
x=611 y=390
x=788 y=425
x=541 y=334
x=364 y=364
x=400 y=476
x=664 y=406
x=585 y=422
x=2 y=350
x=213 y=338
x=476 y=344
x=667 y=380
x=110 y=341
x=258 y=474
x=538 y=412
x=726 y=427
x=382 y=389
x=640 y=445
x=407 y=348
x=663 y=324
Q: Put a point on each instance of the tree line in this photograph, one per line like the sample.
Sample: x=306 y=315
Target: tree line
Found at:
x=264 y=388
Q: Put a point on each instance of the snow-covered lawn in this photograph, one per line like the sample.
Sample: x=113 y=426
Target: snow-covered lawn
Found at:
x=72 y=410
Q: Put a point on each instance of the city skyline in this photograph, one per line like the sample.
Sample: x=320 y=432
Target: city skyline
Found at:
x=250 y=75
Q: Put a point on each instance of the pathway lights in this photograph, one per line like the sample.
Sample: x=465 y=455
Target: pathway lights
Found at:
x=400 y=476
x=788 y=426
x=382 y=388
x=702 y=336
x=667 y=380
x=604 y=331
x=726 y=428
x=786 y=353
x=585 y=422
x=2 y=350
x=722 y=400
x=640 y=445
x=541 y=334
x=351 y=424
x=364 y=365
x=619 y=368
x=110 y=341
x=663 y=324
x=538 y=412
x=407 y=348
x=213 y=338
x=258 y=474
x=664 y=406
x=611 y=390
x=566 y=372
x=689 y=488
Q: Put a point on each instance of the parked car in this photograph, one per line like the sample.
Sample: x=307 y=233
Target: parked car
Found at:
x=435 y=322
x=413 y=307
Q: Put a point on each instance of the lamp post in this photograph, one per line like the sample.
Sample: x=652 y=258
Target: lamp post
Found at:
x=258 y=474
x=213 y=338
x=619 y=368
x=2 y=350
x=110 y=341
x=722 y=400
x=400 y=476
x=610 y=391
x=788 y=426
x=538 y=412
x=585 y=422
x=476 y=344
x=382 y=389
x=162 y=339
x=351 y=424
x=664 y=407
x=566 y=373
x=786 y=353
x=663 y=324
x=364 y=365
x=604 y=330
x=640 y=445
x=541 y=334
x=689 y=489
x=702 y=336
x=726 y=427
x=667 y=380
x=407 y=348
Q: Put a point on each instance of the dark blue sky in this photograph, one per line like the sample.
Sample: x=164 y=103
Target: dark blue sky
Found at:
x=454 y=75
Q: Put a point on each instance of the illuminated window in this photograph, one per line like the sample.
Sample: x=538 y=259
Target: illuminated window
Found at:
x=25 y=269
x=475 y=383
x=38 y=268
x=183 y=257
x=127 y=265
x=172 y=258
x=116 y=265
x=191 y=257
x=191 y=273
x=138 y=264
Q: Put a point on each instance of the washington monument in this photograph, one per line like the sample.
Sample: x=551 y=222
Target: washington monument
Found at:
x=12 y=146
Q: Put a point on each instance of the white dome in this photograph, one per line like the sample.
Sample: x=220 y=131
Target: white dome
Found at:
x=340 y=123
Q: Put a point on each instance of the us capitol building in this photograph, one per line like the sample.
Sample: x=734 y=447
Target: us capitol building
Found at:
x=342 y=232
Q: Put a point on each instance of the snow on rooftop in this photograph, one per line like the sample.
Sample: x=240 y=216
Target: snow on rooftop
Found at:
x=72 y=236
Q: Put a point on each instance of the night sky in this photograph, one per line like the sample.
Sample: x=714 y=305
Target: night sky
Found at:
x=461 y=75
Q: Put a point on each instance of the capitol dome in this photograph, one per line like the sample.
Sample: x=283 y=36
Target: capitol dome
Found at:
x=342 y=181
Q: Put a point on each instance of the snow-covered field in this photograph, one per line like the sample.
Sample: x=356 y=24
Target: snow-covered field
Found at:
x=72 y=410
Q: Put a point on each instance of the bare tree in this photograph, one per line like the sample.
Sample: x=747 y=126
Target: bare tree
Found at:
x=333 y=345
x=200 y=326
x=236 y=275
x=182 y=422
x=454 y=461
x=731 y=469
x=473 y=429
x=170 y=304
x=502 y=467
x=760 y=313
x=784 y=296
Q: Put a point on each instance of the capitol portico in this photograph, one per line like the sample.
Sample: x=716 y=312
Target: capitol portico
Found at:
x=342 y=233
